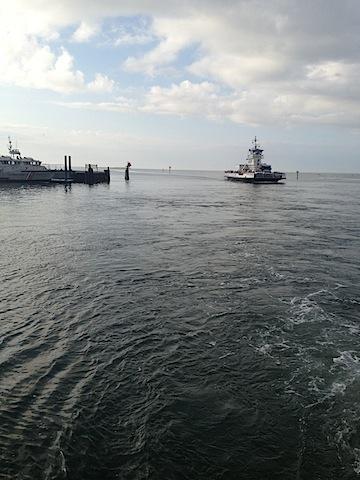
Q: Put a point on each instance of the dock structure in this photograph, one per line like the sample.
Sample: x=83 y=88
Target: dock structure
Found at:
x=78 y=176
x=90 y=175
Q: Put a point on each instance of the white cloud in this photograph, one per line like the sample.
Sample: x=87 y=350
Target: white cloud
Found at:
x=101 y=83
x=174 y=34
x=236 y=70
x=120 y=105
x=28 y=63
x=85 y=32
x=334 y=73
x=33 y=65
x=28 y=56
x=204 y=99
x=281 y=61
x=183 y=99
x=133 y=39
x=135 y=34
x=165 y=52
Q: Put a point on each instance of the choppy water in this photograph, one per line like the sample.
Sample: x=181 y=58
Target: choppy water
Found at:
x=180 y=327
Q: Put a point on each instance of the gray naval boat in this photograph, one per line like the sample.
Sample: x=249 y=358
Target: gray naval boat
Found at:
x=15 y=168
x=255 y=171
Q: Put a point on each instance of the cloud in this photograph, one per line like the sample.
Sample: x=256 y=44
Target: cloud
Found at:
x=31 y=62
x=287 y=62
x=28 y=55
x=235 y=70
x=85 y=32
x=32 y=65
x=282 y=61
x=28 y=63
x=337 y=78
x=101 y=84
x=204 y=99
x=133 y=39
x=173 y=39
x=119 y=105
x=136 y=33
x=184 y=99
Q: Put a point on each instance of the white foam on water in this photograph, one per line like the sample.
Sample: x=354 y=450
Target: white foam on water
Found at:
x=56 y=459
x=316 y=384
x=342 y=439
x=226 y=355
x=264 y=349
x=338 y=388
x=276 y=274
x=306 y=309
x=319 y=292
x=356 y=465
x=353 y=329
x=347 y=359
x=318 y=378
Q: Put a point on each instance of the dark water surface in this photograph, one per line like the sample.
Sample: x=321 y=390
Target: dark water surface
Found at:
x=181 y=327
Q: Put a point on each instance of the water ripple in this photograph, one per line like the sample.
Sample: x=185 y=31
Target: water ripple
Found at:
x=180 y=327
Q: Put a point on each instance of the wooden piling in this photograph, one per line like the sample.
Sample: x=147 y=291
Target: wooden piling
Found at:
x=66 y=168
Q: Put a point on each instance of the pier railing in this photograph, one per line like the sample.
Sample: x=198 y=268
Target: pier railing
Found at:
x=60 y=166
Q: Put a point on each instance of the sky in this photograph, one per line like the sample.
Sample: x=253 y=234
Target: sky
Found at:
x=186 y=83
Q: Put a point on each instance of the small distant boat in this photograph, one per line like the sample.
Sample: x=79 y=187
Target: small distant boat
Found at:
x=15 y=168
x=255 y=171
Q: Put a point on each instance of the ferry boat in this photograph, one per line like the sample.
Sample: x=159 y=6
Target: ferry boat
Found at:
x=255 y=171
x=15 y=168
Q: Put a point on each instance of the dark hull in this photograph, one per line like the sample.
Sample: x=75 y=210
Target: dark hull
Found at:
x=60 y=176
x=25 y=176
x=255 y=180
x=23 y=181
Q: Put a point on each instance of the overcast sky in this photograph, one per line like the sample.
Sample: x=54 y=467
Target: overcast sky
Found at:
x=186 y=83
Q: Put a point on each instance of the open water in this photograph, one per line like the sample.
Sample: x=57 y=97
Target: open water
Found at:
x=180 y=327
